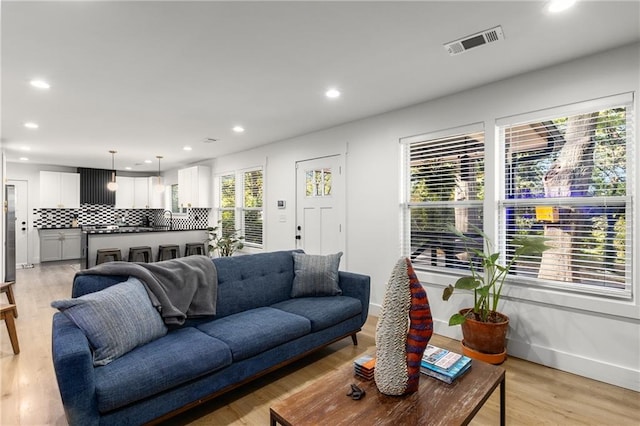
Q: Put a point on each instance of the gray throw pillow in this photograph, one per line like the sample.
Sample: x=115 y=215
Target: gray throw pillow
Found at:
x=115 y=320
x=315 y=275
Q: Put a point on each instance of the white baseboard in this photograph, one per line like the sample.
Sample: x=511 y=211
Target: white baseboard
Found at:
x=568 y=362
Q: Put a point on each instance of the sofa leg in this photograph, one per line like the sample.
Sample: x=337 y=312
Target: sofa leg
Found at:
x=354 y=338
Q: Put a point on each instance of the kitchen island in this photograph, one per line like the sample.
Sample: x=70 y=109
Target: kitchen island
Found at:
x=125 y=238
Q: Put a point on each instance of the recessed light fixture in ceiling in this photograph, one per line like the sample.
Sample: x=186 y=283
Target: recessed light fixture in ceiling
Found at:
x=556 y=6
x=332 y=93
x=127 y=168
x=238 y=129
x=24 y=159
x=148 y=161
x=25 y=148
x=40 y=84
x=187 y=148
x=31 y=125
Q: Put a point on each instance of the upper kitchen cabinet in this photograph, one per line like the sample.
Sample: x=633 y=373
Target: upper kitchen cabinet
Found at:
x=194 y=187
x=132 y=193
x=59 y=190
x=156 y=198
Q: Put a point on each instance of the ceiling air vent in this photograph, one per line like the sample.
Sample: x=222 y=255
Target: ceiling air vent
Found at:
x=462 y=45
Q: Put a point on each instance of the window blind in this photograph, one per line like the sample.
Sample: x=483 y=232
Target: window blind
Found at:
x=568 y=178
x=252 y=210
x=444 y=190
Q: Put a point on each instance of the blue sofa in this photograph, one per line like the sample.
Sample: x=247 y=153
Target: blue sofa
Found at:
x=258 y=327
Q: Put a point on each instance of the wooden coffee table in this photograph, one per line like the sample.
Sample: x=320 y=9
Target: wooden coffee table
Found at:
x=435 y=403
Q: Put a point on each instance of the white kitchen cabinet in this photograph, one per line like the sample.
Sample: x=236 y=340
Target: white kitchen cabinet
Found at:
x=194 y=187
x=125 y=194
x=132 y=192
x=60 y=244
x=59 y=190
x=156 y=198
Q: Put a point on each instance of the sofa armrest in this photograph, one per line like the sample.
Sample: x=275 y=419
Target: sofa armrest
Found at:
x=73 y=364
x=85 y=284
x=357 y=286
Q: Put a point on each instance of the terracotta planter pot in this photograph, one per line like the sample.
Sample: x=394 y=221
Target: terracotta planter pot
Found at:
x=486 y=337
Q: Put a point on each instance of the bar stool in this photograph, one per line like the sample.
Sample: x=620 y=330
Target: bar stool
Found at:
x=7 y=313
x=108 y=255
x=140 y=254
x=193 y=248
x=8 y=288
x=168 y=251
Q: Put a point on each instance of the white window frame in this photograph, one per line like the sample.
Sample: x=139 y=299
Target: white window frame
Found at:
x=502 y=203
x=239 y=207
x=407 y=205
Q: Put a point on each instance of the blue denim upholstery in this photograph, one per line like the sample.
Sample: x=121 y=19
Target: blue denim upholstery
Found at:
x=134 y=376
x=188 y=365
x=324 y=311
x=245 y=332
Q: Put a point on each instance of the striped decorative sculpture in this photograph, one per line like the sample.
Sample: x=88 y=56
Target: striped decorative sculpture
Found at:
x=403 y=331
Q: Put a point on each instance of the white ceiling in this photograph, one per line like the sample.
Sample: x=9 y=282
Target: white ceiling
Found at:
x=146 y=78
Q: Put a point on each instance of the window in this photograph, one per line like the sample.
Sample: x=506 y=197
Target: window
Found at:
x=241 y=205
x=444 y=188
x=567 y=178
x=175 y=205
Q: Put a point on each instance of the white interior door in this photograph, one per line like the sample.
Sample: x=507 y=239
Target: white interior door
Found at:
x=22 y=221
x=320 y=212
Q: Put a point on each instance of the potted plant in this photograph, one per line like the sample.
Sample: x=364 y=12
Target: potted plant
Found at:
x=484 y=329
x=227 y=244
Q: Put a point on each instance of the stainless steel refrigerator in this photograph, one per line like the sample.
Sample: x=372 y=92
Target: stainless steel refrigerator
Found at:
x=10 y=234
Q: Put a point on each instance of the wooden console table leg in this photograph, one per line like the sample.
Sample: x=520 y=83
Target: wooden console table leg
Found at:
x=503 y=401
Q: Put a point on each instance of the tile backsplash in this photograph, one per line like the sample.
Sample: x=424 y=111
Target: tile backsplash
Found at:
x=102 y=214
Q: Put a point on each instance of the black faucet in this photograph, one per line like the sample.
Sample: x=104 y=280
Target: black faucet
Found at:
x=170 y=218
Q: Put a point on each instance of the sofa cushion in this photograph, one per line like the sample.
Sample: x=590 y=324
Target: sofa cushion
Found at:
x=253 y=281
x=257 y=330
x=115 y=320
x=315 y=275
x=323 y=312
x=180 y=356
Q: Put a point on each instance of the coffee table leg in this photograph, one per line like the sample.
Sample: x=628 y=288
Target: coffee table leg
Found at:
x=503 y=401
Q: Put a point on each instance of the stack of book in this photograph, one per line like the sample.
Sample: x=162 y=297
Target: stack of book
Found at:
x=443 y=364
x=364 y=367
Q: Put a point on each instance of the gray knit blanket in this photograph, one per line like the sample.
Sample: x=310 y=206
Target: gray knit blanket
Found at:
x=178 y=288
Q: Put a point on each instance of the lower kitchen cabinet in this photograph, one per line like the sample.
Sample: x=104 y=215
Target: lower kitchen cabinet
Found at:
x=60 y=244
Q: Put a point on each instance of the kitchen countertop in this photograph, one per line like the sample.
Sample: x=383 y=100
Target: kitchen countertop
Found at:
x=138 y=229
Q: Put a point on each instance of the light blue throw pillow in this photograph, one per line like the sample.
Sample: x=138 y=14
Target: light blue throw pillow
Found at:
x=115 y=320
x=315 y=275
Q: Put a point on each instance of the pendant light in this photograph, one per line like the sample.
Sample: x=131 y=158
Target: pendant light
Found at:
x=159 y=185
x=112 y=185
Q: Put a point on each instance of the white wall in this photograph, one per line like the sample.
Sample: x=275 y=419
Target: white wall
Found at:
x=593 y=337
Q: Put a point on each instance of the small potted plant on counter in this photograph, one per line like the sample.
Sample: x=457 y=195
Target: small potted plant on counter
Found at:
x=484 y=329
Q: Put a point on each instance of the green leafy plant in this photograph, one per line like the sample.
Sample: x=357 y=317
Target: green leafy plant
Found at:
x=486 y=281
x=225 y=244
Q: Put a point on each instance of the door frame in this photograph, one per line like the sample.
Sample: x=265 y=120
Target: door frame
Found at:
x=342 y=199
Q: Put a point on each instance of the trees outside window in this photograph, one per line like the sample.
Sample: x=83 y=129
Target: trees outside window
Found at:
x=241 y=205
x=563 y=173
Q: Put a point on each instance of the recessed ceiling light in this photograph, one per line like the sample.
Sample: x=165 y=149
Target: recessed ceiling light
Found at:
x=148 y=161
x=40 y=84
x=187 y=148
x=127 y=168
x=332 y=93
x=25 y=148
x=238 y=129
x=24 y=159
x=556 y=6
x=31 y=125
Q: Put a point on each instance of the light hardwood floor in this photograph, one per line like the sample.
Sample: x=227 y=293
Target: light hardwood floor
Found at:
x=536 y=395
